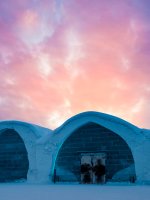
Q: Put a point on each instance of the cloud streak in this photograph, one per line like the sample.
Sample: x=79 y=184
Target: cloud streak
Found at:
x=59 y=58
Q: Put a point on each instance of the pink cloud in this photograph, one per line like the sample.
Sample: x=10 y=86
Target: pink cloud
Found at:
x=93 y=55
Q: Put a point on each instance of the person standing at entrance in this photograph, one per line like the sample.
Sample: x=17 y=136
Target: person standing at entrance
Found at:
x=85 y=173
x=100 y=171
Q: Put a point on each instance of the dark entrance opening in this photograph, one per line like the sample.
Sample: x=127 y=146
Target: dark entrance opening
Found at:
x=93 y=169
x=14 y=162
x=96 y=139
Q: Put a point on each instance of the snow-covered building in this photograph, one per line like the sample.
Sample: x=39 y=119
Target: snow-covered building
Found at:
x=41 y=155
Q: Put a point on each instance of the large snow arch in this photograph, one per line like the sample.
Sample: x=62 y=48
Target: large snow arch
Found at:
x=14 y=162
x=129 y=133
x=28 y=134
x=94 y=139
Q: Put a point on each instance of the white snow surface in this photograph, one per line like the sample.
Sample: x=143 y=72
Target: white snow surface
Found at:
x=22 y=191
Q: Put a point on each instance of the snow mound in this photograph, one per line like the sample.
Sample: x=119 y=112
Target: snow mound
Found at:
x=63 y=173
x=125 y=174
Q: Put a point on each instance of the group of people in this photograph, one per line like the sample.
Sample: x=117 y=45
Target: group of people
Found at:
x=90 y=173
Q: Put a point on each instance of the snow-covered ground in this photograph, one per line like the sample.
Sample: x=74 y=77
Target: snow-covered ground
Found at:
x=23 y=191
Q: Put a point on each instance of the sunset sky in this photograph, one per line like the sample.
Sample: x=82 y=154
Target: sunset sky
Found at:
x=62 y=57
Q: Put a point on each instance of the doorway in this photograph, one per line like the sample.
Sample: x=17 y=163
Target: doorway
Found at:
x=93 y=168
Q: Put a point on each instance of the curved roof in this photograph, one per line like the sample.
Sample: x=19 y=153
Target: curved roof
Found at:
x=104 y=116
x=37 y=130
x=146 y=132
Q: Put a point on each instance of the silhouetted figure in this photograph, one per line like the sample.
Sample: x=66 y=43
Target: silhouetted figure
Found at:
x=132 y=179
x=99 y=170
x=85 y=173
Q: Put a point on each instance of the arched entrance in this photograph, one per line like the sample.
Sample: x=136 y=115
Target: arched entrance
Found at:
x=94 y=141
x=14 y=162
